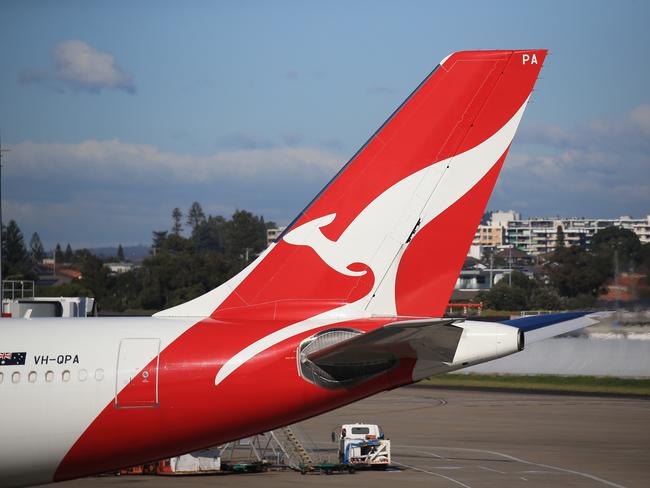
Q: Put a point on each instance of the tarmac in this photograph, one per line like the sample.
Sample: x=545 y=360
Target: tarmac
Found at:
x=450 y=438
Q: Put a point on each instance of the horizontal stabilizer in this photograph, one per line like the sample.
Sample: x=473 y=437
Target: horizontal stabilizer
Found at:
x=426 y=346
x=437 y=336
x=540 y=327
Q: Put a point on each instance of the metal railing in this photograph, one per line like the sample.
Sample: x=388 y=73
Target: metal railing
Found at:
x=17 y=289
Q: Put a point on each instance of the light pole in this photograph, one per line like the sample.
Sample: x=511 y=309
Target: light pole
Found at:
x=1 y=282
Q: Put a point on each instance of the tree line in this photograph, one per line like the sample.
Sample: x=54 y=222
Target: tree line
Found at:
x=197 y=253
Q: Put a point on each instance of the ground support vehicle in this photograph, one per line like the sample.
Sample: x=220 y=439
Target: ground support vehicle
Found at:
x=363 y=446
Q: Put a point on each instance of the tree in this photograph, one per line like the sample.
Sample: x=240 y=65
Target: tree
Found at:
x=575 y=271
x=245 y=234
x=120 y=253
x=177 y=217
x=58 y=253
x=504 y=297
x=523 y=294
x=616 y=240
x=69 y=255
x=209 y=235
x=94 y=275
x=14 y=252
x=159 y=238
x=545 y=298
x=195 y=216
x=559 y=242
x=36 y=246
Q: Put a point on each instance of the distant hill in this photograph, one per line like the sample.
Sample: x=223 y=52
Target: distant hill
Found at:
x=131 y=253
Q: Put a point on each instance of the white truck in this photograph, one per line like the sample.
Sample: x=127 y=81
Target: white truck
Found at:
x=363 y=445
x=18 y=300
x=48 y=307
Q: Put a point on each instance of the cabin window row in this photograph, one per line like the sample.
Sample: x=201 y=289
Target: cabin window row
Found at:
x=49 y=376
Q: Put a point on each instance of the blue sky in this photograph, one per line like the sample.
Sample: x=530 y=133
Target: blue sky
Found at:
x=116 y=112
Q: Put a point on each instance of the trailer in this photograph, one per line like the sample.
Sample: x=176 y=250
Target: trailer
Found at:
x=363 y=446
x=328 y=468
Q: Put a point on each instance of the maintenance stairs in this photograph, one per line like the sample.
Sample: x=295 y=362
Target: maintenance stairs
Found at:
x=297 y=456
x=284 y=447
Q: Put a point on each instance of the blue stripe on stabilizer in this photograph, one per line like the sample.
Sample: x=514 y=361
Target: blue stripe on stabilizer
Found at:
x=538 y=321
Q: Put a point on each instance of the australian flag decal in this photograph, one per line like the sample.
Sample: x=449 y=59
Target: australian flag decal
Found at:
x=12 y=358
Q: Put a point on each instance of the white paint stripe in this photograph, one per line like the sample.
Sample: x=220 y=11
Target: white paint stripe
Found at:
x=490 y=469
x=445 y=59
x=460 y=483
x=330 y=317
x=432 y=454
x=519 y=460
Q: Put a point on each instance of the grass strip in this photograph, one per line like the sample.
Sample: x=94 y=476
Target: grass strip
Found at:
x=580 y=384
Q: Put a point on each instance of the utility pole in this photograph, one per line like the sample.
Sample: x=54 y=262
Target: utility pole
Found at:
x=491 y=269
x=617 y=290
x=510 y=266
x=1 y=282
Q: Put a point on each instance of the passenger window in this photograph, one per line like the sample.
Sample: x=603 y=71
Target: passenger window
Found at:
x=15 y=377
x=65 y=376
x=31 y=377
x=49 y=376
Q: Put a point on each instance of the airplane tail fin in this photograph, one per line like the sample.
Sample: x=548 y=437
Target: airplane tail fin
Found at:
x=390 y=232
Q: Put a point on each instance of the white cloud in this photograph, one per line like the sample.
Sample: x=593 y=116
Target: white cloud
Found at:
x=114 y=160
x=640 y=116
x=96 y=192
x=632 y=130
x=600 y=168
x=104 y=191
x=77 y=65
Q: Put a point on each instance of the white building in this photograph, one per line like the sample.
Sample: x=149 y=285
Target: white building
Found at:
x=501 y=218
x=539 y=235
x=273 y=234
x=119 y=268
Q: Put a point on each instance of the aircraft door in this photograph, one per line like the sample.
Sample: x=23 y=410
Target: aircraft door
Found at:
x=137 y=373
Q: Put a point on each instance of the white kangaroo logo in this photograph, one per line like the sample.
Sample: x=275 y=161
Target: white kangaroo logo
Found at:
x=309 y=234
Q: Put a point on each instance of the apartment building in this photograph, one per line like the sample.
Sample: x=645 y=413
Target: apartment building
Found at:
x=492 y=234
x=536 y=235
x=540 y=235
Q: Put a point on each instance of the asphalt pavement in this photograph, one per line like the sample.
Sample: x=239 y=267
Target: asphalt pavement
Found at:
x=449 y=438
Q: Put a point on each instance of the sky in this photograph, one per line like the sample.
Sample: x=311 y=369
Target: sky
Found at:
x=116 y=112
